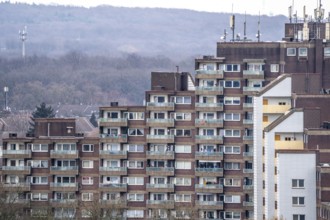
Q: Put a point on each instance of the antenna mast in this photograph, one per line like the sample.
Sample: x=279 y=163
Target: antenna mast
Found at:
x=232 y=23
x=245 y=28
x=258 y=34
x=23 y=36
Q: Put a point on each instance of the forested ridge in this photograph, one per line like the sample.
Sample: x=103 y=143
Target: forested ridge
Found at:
x=77 y=55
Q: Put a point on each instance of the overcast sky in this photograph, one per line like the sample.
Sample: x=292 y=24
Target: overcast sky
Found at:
x=268 y=7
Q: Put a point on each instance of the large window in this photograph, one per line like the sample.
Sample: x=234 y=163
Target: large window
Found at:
x=298 y=183
x=232 y=182
x=39 y=147
x=298 y=217
x=232 y=84
x=291 y=51
x=135 y=213
x=134 y=147
x=87 y=180
x=87 y=164
x=181 y=116
x=184 y=165
x=38 y=163
x=181 y=99
x=65 y=147
x=232 y=116
x=38 y=180
x=232 y=166
x=182 y=181
x=230 y=67
x=39 y=196
x=303 y=52
x=135 y=197
x=231 y=149
x=182 y=149
x=133 y=180
x=327 y=51
x=232 y=100
x=298 y=201
x=232 y=199
x=135 y=132
x=181 y=132
x=134 y=115
x=134 y=164
x=182 y=197
x=232 y=133
x=87 y=196
x=274 y=68
x=88 y=148
x=232 y=215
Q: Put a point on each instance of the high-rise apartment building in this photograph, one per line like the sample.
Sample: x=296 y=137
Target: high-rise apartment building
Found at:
x=246 y=138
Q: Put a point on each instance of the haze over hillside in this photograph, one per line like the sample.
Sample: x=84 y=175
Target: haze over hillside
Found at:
x=94 y=56
x=106 y=30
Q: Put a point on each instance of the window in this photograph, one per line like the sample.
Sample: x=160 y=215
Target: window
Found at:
x=39 y=196
x=85 y=213
x=182 y=149
x=135 y=213
x=158 y=115
x=65 y=147
x=132 y=164
x=87 y=164
x=135 y=197
x=232 y=182
x=182 y=198
x=298 y=183
x=134 y=147
x=232 y=199
x=181 y=132
x=65 y=179
x=87 y=180
x=232 y=133
x=113 y=114
x=291 y=51
x=135 y=132
x=181 y=116
x=255 y=66
x=231 y=149
x=134 y=115
x=232 y=215
x=230 y=67
x=327 y=51
x=303 y=52
x=38 y=163
x=159 y=99
x=184 y=165
x=298 y=201
x=298 y=217
x=159 y=131
x=133 y=180
x=232 y=84
x=39 y=148
x=208 y=66
x=88 y=148
x=38 y=180
x=232 y=166
x=232 y=100
x=181 y=99
x=87 y=196
x=232 y=117
x=182 y=181
x=274 y=68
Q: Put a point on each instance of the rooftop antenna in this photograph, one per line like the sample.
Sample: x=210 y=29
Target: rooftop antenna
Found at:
x=23 y=36
x=224 y=36
x=245 y=27
x=290 y=14
x=232 y=23
x=319 y=12
x=304 y=13
x=258 y=34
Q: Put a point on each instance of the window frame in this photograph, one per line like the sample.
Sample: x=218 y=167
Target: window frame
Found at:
x=90 y=148
x=229 y=100
x=90 y=162
x=291 y=51
x=87 y=180
x=89 y=196
x=233 y=133
x=231 y=117
x=298 y=201
x=296 y=183
x=326 y=51
x=135 y=130
x=302 y=54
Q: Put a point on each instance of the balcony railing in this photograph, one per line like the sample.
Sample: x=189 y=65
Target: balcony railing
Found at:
x=247 y=154
x=72 y=168
x=208 y=137
x=248 y=121
x=209 y=170
x=161 y=121
x=208 y=186
x=253 y=74
x=113 y=186
x=208 y=155
x=209 y=90
x=160 y=104
x=120 y=120
x=116 y=169
x=209 y=203
x=17 y=186
x=247 y=137
x=247 y=187
x=247 y=203
x=115 y=137
x=16 y=153
x=247 y=105
x=251 y=89
x=168 y=171
x=17 y=168
x=166 y=155
x=64 y=186
x=64 y=202
x=211 y=72
x=208 y=105
x=289 y=145
x=247 y=170
x=209 y=122
x=113 y=154
x=151 y=136
x=160 y=204
x=160 y=187
x=276 y=109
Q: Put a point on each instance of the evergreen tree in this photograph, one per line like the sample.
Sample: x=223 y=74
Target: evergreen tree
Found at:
x=43 y=111
x=93 y=120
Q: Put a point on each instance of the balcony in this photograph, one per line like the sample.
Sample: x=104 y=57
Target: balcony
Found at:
x=160 y=187
x=209 y=123
x=208 y=188
x=70 y=203
x=208 y=107
x=208 y=139
x=247 y=155
x=64 y=154
x=65 y=187
x=26 y=203
x=160 y=204
x=247 y=106
x=157 y=155
x=209 y=205
x=209 y=74
x=160 y=106
x=17 y=187
x=247 y=121
x=247 y=139
x=209 y=90
x=120 y=171
x=23 y=170
x=209 y=155
x=113 y=122
x=248 y=90
x=275 y=109
x=253 y=74
x=112 y=138
x=248 y=187
x=16 y=154
x=248 y=203
x=209 y=171
x=116 y=204
x=106 y=154
x=160 y=171
x=289 y=145
x=248 y=170
x=113 y=187
x=73 y=170
x=153 y=122
x=160 y=139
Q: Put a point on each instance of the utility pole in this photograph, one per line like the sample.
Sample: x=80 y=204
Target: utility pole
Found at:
x=23 y=36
